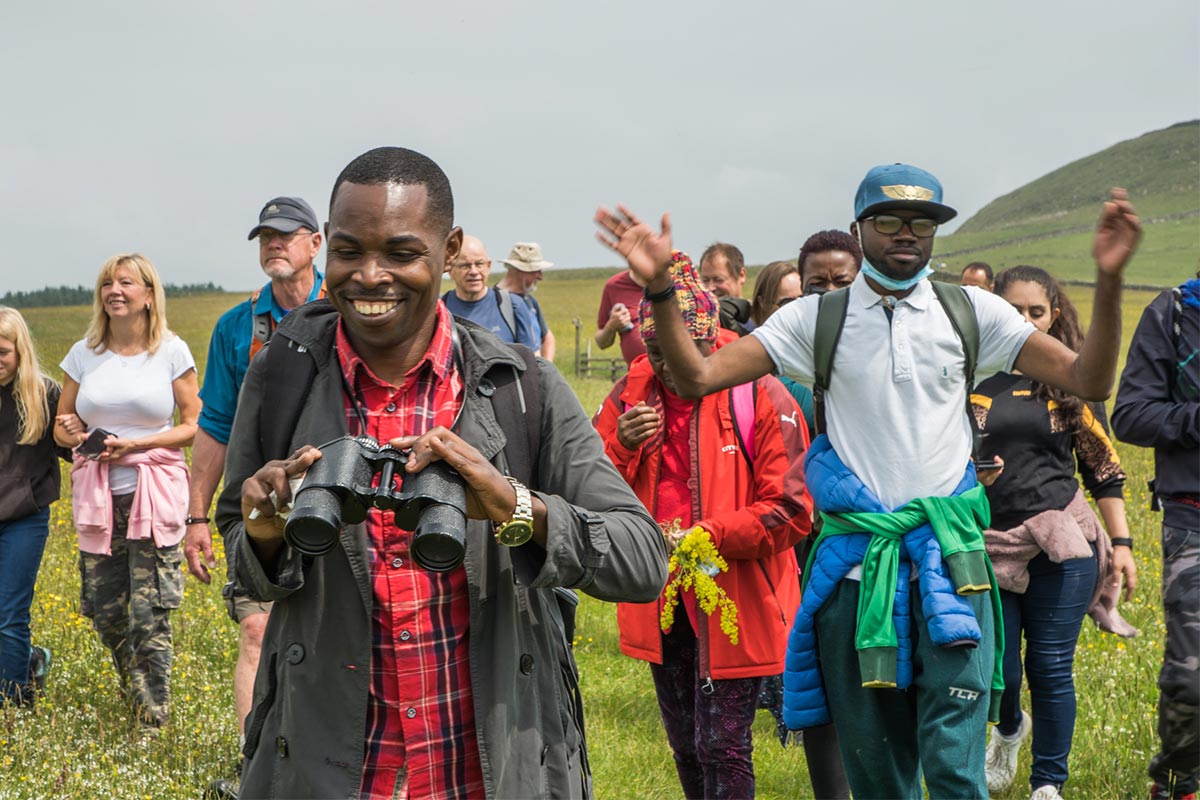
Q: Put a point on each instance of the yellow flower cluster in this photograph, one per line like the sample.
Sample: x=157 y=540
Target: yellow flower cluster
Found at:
x=693 y=565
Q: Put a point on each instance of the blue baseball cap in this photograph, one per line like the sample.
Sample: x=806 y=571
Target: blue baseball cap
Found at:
x=891 y=186
x=286 y=215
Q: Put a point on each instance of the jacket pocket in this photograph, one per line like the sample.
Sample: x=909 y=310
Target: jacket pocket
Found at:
x=16 y=497
x=258 y=716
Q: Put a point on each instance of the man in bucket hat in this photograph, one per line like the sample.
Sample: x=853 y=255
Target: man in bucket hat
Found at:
x=289 y=239
x=524 y=267
x=893 y=465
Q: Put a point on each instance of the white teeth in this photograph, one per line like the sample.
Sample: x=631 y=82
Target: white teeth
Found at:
x=372 y=309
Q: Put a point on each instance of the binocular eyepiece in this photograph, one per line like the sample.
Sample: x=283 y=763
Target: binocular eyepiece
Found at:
x=341 y=487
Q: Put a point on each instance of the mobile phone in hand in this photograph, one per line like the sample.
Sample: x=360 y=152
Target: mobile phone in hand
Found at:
x=93 y=446
x=984 y=466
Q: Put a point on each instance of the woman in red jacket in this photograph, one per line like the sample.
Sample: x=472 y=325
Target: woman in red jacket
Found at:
x=741 y=480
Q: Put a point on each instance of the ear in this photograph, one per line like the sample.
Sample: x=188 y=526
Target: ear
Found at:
x=453 y=247
x=315 y=242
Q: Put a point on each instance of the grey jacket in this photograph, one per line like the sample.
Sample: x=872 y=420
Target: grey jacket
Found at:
x=305 y=734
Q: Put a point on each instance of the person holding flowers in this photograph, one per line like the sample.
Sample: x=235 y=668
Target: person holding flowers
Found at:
x=723 y=476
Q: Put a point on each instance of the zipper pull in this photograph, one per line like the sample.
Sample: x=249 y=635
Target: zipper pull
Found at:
x=707 y=687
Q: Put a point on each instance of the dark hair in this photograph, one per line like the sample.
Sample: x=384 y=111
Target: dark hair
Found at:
x=983 y=267
x=404 y=167
x=1066 y=328
x=823 y=242
x=737 y=262
x=766 y=289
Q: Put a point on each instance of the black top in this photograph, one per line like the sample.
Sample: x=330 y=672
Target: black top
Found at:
x=1041 y=448
x=29 y=474
x=1158 y=403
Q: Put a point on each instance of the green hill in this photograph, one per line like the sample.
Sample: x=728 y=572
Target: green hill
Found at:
x=1048 y=222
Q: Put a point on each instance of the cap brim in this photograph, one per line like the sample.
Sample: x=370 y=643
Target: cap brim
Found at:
x=281 y=224
x=936 y=211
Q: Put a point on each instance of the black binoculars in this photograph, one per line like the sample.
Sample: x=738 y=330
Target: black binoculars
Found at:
x=340 y=488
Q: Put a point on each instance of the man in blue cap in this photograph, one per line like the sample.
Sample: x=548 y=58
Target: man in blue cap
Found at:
x=289 y=239
x=893 y=476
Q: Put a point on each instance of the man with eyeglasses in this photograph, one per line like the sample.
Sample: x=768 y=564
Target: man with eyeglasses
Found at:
x=502 y=312
x=289 y=239
x=903 y=513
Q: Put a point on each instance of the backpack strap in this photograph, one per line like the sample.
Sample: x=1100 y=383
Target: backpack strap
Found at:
x=261 y=326
x=831 y=318
x=962 y=316
x=505 y=302
x=742 y=399
x=518 y=399
x=289 y=375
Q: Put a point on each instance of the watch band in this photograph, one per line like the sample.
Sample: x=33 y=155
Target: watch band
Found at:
x=196 y=520
x=517 y=529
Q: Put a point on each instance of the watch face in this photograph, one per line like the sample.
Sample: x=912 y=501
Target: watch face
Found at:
x=514 y=533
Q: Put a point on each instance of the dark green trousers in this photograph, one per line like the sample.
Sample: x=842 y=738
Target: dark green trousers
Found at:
x=938 y=726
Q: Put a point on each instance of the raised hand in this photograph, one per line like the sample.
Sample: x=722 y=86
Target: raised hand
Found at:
x=648 y=253
x=1117 y=234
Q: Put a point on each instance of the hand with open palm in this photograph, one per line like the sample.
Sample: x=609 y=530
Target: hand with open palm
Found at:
x=648 y=253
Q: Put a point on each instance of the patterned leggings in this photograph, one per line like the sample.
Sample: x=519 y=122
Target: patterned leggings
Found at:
x=708 y=722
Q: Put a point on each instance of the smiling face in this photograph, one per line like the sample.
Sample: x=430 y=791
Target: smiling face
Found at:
x=1031 y=301
x=123 y=294
x=717 y=278
x=899 y=255
x=385 y=263
x=9 y=361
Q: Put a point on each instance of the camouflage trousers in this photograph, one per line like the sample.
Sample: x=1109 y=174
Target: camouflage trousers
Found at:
x=1176 y=765
x=129 y=596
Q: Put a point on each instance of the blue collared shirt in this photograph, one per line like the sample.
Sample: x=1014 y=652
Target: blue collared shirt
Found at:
x=229 y=357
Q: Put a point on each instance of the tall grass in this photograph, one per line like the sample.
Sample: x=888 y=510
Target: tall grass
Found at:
x=78 y=742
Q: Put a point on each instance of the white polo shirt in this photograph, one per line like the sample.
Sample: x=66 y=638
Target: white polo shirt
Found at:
x=896 y=406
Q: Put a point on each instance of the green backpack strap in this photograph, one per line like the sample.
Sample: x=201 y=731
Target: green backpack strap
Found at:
x=831 y=316
x=962 y=316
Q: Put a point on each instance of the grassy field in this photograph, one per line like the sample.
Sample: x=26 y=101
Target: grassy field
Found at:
x=78 y=742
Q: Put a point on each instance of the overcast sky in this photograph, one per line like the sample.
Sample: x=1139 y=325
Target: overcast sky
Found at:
x=162 y=127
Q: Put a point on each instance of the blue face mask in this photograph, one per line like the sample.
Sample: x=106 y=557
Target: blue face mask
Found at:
x=891 y=283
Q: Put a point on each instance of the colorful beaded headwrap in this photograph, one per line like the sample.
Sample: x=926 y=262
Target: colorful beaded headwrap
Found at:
x=698 y=306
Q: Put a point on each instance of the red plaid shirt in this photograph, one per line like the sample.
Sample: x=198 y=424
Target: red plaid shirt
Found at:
x=420 y=715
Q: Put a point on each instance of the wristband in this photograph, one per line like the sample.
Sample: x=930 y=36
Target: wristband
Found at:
x=1122 y=541
x=661 y=296
x=195 y=520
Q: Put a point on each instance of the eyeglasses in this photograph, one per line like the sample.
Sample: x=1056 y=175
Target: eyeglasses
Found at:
x=466 y=266
x=921 y=227
x=268 y=235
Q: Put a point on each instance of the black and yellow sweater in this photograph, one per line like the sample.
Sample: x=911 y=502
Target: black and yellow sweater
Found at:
x=1041 y=447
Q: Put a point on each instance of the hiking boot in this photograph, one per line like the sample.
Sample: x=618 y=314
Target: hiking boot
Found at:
x=39 y=665
x=1046 y=791
x=1000 y=764
x=221 y=789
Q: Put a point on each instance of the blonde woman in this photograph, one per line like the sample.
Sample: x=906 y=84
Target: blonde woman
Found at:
x=29 y=482
x=123 y=383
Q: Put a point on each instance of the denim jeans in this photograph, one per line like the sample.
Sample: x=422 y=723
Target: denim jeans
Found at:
x=1049 y=614
x=21 y=544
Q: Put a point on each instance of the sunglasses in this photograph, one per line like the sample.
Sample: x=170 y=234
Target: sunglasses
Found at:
x=888 y=225
x=783 y=301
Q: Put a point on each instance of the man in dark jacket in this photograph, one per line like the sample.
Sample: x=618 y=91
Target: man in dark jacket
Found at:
x=1158 y=405
x=378 y=676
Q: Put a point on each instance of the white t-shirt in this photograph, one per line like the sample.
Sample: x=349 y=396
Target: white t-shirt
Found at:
x=896 y=406
x=130 y=396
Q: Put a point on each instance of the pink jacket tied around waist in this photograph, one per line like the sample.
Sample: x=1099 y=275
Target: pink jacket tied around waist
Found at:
x=159 y=502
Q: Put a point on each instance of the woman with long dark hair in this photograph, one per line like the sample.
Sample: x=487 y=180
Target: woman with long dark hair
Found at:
x=1052 y=557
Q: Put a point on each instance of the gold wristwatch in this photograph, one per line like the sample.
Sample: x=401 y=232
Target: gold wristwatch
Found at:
x=517 y=529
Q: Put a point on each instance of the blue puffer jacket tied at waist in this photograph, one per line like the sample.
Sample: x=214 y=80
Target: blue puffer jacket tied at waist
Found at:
x=942 y=536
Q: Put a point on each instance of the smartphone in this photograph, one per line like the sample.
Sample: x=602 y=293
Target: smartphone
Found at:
x=93 y=446
x=984 y=466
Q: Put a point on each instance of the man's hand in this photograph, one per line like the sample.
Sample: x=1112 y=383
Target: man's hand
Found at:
x=268 y=492
x=637 y=425
x=1122 y=565
x=648 y=253
x=199 y=542
x=619 y=318
x=489 y=494
x=1117 y=234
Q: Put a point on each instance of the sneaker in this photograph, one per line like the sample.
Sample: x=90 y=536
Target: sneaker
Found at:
x=39 y=665
x=1046 y=792
x=1000 y=764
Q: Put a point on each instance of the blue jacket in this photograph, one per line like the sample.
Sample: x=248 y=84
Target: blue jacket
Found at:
x=951 y=621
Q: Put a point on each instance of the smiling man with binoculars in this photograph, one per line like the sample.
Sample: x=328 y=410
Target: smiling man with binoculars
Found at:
x=452 y=488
